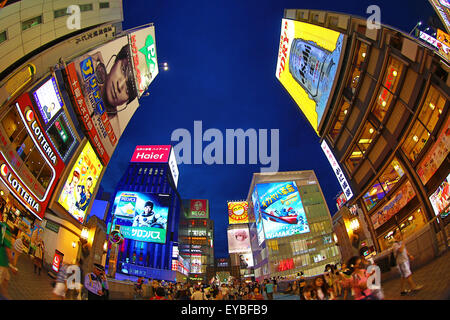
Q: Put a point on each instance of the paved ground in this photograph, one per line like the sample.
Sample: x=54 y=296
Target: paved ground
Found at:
x=435 y=276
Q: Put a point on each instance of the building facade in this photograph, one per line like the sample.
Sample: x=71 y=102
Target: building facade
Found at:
x=386 y=122
x=196 y=239
x=290 y=225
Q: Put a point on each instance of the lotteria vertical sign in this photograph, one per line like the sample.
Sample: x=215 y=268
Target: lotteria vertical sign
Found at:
x=12 y=169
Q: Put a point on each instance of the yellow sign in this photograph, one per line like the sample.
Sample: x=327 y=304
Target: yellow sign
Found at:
x=238 y=212
x=77 y=192
x=308 y=60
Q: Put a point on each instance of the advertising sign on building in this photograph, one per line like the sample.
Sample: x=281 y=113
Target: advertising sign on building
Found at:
x=442 y=47
x=104 y=92
x=237 y=212
x=442 y=8
x=308 y=60
x=281 y=209
x=199 y=209
x=238 y=240
x=337 y=171
x=30 y=165
x=143 y=48
x=398 y=201
x=440 y=199
x=341 y=200
x=436 y=155
x=142 y=216
x=83 y=177
x=57 y=260
x=157 y=154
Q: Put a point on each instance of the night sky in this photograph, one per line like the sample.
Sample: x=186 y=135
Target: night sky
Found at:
x=222 y=57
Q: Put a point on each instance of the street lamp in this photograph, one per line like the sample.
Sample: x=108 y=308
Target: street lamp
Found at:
x=164 y=66
x=418 y=24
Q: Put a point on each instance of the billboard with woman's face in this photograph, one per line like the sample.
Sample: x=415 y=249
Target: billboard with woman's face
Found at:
x=239 y=240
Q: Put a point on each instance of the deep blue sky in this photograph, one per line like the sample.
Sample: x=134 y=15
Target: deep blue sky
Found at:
x=222 y=57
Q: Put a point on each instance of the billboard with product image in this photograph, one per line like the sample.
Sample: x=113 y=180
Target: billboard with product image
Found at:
x=308 y=61
x=440 y=199
x=48 y=99
x=141 y=216
x=77 y=192
x=239 y=240
x=104 y=91
x=280 y=209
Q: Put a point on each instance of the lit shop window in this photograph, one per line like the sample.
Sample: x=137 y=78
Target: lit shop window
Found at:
x=25 y=148
x=388 y=87
x=429 y=115
x=360 y=57
x=339 y=120
x=366 y=138
x=387 y=180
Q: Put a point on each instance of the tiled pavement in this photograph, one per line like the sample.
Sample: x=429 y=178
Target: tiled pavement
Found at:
x=435 y=276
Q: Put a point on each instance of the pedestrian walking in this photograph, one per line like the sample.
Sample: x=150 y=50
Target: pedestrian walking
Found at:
x=198 y=294
x=97 y=284
x=38 y=257
x=160 y=294
x=301 y=284
x=308 y=293
x=61 y=282
x=359 y=281
x=18 y=249
x=257 y=295
x=402 y=259
x=6 y=259
x=269 y=288
x=323 y=291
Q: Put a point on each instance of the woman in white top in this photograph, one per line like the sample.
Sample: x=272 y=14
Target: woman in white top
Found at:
x=18 y=248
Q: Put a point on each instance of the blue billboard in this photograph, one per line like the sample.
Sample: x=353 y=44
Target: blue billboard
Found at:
x=141 y=216
x=279 y=207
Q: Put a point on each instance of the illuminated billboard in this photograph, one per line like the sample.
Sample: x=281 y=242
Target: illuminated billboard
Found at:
x=308 y=60
x=442 y=8
x=280 y=209
x=142 y=216
x=143 y=48
x=157 y=154
x=246 y=260
x=440 y=199
x=237 y=212
x=83 y=177
x=239 y=240
x=104 y=91
x=258 y=218
x=199 y=209
x=48 y=99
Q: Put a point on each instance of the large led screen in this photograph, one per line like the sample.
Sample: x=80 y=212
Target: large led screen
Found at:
x=258 y=219
x=83 y=177
x=308 y=60
x=239 y=240
x=142 y=216
x=281 y=209
x=440 y=199
x=48 y=99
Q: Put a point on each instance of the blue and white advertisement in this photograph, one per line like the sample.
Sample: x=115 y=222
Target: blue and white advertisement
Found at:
x=141 y=216
x=281 y=209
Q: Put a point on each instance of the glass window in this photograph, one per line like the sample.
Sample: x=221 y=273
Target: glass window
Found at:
x=104 y=5
x=31 y=22
x=359 y=58
x=60 y=13
x=415 y=141
x=3 y=37
x=86 y=7
x=354 y=159
x=388 y=87
x=339 y=120
x=366 y=138
x=391 y=175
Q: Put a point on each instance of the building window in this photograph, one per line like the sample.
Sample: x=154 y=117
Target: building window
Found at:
x=104 y=5
x=31 y=22
x=366 y=137
x=86 y=7
x=425 y=123
x=3 y=36
x=358 y=60
x=60 y=13
x=339 y=120
x=387 y=180
x=354 y=158
x=387 y=89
